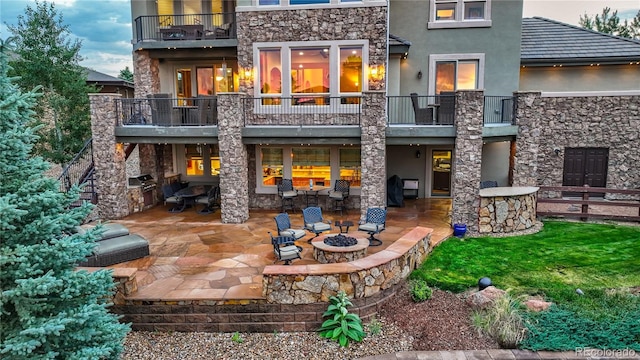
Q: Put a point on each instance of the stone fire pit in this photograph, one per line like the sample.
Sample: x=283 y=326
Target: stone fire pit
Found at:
x=327 y=254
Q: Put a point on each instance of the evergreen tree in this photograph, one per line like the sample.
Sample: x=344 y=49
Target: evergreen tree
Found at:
x=126 y=74
x=48 y=310
x=46 y=57
x=610 y=24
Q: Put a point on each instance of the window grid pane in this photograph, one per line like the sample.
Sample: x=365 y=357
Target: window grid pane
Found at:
x=311 y=164
x=350 y=166
x=270 y=71
x=467 y=75
x=272 y=165
x=474 y=10
x=445 y=76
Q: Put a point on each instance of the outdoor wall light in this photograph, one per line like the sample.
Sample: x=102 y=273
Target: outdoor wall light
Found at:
x=557 y=151
x=419 y=76
x=418 y=154
x=376 y=72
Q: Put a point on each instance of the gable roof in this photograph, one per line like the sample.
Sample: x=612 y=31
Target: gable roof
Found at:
x=102 y=79
x=546 y=42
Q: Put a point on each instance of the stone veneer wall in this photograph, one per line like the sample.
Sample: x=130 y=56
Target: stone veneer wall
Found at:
x=506 y=214
x=146 y=74
x=547 y=123
x=362 y=278
x=234 y=182
x=362 y=22
x=373 y=152
x=110 y=167
x=467 y=160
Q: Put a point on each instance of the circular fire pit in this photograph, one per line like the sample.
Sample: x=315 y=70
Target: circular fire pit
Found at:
x=327 y=254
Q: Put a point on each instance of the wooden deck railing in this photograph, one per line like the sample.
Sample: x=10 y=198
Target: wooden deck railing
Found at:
x=590 y=208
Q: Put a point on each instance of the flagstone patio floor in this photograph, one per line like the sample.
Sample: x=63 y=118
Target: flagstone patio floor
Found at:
x=197 y=257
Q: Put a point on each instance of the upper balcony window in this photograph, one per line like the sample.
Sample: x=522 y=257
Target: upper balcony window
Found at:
x=451 y=72
x=312 y=74
x=459 y=13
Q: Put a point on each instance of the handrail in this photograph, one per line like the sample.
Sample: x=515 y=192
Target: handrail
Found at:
x=80 y=171
x=211 y=26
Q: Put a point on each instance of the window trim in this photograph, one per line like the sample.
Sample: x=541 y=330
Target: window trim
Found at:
x=459 y=22
x=334 y=68
x=434 y=58
x=287 y=165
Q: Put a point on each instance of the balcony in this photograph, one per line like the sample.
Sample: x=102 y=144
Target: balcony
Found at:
x=302 y=110
x=438 y=110
x=499 y=110
x=176 y=28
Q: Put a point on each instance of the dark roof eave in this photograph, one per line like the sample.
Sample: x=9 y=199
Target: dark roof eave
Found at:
x=399 y=49
x=579 y=61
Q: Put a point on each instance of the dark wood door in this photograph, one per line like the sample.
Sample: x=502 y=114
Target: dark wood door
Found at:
x=585 y=166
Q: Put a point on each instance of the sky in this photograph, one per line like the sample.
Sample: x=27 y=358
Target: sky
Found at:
x=104 y=26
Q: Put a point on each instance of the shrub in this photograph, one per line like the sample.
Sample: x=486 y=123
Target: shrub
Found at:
x=420 y=291
x=375 y=326
x=502 y=321
x=237 y=338
x=341 y=325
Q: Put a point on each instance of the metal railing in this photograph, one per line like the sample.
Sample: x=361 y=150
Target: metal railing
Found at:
x=80 y=171
x=499 y=110
x=302 y=110
x=421 y=110
x=165 y=111
x=186 y=27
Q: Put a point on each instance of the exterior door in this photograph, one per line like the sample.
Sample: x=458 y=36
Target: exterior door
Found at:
x=585 y=166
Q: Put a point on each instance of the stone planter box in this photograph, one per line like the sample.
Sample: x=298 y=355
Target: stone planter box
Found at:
x=507 y=209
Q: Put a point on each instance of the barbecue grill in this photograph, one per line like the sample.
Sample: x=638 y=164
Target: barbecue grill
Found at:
x=145 y=181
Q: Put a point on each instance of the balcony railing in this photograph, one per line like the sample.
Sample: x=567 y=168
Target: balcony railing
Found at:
x=302 y=110
x=186 y=27
x=164 y=111
x=499 y=110
x=421 y=110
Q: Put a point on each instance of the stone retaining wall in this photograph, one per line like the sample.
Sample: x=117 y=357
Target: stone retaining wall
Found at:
x=363 y=278
x=506 y=214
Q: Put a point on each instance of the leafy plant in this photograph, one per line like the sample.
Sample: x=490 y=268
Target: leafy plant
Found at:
x=375 y=326
x=237 y=338
x=420 y=291
x=341 y=325
x=502 y=321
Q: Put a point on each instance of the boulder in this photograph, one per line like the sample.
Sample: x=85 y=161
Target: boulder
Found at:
x=537 y=305
x=484 y=298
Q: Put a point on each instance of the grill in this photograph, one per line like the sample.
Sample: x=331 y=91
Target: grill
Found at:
x=146 y=182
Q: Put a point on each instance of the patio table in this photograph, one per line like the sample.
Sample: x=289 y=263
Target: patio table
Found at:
x=189 y=195
x=311 y=193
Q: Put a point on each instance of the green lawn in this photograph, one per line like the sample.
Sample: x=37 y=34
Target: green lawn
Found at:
x=602 y=260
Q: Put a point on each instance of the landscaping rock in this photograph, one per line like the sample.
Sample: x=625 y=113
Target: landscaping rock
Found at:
x=482 y=299
x=537 y=305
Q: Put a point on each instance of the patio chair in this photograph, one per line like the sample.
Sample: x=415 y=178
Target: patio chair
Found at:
x=339 y=194
x=488 y=184
x=285 y=249
x=207 y=110
x=283 y=223
x=169 y=198
x=373 y=224
x=162 y=112
x=447 y=109
x=313 y=221
x=424 y=115
x=210 y=201
x=287 y=193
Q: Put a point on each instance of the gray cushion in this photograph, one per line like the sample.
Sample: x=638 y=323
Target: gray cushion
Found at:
x=121 y=243
x=371 y=227
x=319 y=226
x=336 y=195
x=295 y=233
x=110 y=231
x=289 y=193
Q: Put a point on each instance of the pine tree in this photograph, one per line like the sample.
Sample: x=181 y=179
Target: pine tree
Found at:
x=126 y=74
x=611 y=24
x=46 y=56
x=48 y=310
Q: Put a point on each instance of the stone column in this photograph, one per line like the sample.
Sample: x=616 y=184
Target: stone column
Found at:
x=373 y=152
x=528 y=116
x=234 y=182
x=467 y=160
x=145 y=74
x=108 y=157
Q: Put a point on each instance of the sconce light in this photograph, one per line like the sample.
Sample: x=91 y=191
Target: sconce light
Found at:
x=419 y=76
x=247 y=73
x=418 y=154
x=376 y=72
x=557 y=151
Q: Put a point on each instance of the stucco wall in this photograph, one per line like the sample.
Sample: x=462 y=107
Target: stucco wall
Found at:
x=580 y=78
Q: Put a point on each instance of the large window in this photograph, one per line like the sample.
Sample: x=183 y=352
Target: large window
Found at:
x=321 y=165
x=201 y=161
x=459 y=13
x=313 y=73
x=455 y=72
